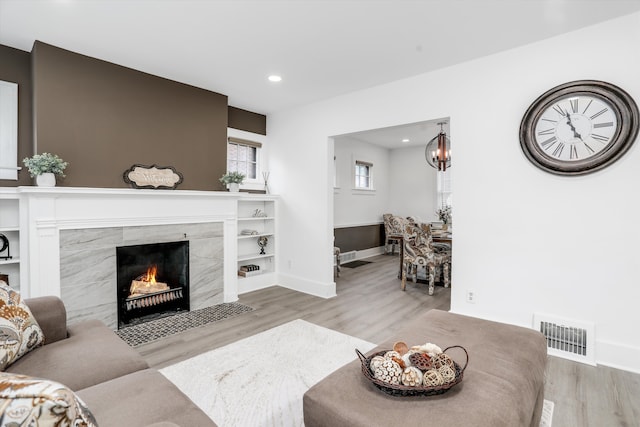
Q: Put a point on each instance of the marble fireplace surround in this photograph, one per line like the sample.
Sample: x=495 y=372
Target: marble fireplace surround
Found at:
x=72 y=234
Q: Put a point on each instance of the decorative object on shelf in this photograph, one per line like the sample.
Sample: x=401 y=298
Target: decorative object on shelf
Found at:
x=579 y=127
x=4 y=278
x=258 y=213
x=417 y=371
x=4 y=246
x=262 y=242
x=233 y=181
x=154 y=177
x=247 y=232
x=265 y=176
x=249 y=270
x=44 y=167
x=438 y=150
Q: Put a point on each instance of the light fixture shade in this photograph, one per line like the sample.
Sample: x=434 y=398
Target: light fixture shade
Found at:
x=438 y=152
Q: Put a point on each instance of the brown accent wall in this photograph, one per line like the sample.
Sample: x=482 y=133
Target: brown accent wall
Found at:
x=247 y=121
x=102 y=118
x=359 y=238
x=15 y=67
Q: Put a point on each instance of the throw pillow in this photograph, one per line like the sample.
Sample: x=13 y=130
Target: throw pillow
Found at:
x=19 y=331
x=28 y=401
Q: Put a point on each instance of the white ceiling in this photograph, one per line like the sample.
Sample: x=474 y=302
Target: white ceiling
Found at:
x=321 y=48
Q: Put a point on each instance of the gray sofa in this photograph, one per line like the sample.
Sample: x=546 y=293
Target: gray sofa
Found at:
x=113 y=380
x=502 y=386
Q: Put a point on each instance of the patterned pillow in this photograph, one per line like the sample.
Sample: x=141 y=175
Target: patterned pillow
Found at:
x=19 y=331
x=28 y=401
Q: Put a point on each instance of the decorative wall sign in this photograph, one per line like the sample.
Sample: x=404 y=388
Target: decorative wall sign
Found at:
x=155 y=177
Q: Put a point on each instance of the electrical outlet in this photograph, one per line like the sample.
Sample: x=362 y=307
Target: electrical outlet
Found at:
x=471 y=296
x=289 y=264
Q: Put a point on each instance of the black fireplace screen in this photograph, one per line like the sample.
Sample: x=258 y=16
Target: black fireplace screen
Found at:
x=152 y=281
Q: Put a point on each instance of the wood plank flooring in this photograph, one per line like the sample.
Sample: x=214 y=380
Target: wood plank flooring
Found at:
x=371 y=306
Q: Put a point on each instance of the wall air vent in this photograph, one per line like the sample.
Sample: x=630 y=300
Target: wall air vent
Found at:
x=569 y=339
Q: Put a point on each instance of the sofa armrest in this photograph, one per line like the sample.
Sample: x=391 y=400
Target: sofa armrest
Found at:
x=51 y=315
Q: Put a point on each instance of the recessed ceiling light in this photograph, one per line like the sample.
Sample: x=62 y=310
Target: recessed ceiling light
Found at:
x=274 y=78
x=405 y=140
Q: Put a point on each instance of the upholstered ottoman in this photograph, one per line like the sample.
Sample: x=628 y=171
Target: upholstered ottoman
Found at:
x=503 y=384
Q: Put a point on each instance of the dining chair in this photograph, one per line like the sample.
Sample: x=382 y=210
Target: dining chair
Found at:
x=392 y=232
x=420 y=253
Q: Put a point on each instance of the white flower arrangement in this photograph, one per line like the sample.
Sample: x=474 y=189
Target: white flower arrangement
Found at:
x=444 y=214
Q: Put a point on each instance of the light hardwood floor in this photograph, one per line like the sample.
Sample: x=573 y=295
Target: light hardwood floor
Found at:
x=371 y=306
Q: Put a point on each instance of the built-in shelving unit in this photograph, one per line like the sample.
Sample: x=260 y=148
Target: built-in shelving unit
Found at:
x=256 y=215
x=10 y=228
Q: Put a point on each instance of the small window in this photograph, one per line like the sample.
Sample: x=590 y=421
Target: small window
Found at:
x=242 y=156
x=363 y=176
x=8 y=130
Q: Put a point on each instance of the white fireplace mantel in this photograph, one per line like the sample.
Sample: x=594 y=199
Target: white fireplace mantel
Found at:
x=46 y=211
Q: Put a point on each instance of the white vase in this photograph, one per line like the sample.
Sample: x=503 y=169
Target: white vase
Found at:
x=46 y=180
x=233 y=187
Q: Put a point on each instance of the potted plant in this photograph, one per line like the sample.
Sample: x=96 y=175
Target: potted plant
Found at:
x=44 y=167
x=233 y=181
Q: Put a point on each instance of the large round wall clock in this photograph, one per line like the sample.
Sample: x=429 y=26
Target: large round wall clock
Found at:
x=579 y=127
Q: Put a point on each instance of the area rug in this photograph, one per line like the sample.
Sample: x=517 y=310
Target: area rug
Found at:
x=242 y=384
x=355 y=264
x=155 y=329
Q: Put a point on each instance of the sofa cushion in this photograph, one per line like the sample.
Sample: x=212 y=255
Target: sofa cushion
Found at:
x=91 y=354
x=140 y=399
x=19 y=331
x=30 y=401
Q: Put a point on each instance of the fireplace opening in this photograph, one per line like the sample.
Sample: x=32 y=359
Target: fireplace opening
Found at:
x=152 y=281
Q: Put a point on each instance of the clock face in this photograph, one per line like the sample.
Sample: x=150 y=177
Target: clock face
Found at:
x=575 y=128
x=579 y=127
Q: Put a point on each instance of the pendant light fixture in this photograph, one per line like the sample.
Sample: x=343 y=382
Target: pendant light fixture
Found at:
x=438 y=151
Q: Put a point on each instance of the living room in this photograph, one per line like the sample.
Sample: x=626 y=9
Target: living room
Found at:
x=525 y=240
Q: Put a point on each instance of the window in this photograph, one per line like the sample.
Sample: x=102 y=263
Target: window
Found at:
x=242 y=156
x=363 y=177
x=445 y=193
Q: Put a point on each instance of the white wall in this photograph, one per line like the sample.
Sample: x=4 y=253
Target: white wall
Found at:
x=525 y=241
x=353 y=207
x=412 y=183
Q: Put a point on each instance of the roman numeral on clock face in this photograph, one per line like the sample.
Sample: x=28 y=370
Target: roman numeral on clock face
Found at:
x=558 y=151
x=549 y=142
x=604 y=110
x=574 y=105
x=573 y=153
x=559 y=110
x=600 y=138
x=547 y=132
x=603 y=125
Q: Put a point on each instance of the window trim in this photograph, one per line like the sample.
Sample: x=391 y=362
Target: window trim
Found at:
x=371 y=187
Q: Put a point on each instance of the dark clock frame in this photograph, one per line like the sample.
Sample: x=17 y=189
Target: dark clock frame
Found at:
x=627 y=116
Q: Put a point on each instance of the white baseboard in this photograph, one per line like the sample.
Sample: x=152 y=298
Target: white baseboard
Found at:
x=366 y=253
x=319 y=289
x=618 y=356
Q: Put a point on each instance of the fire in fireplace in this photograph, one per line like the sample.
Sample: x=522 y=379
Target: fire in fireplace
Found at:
x=153 y=281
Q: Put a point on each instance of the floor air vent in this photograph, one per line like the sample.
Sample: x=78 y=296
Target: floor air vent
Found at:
x=569 y=339
x=347 y=256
